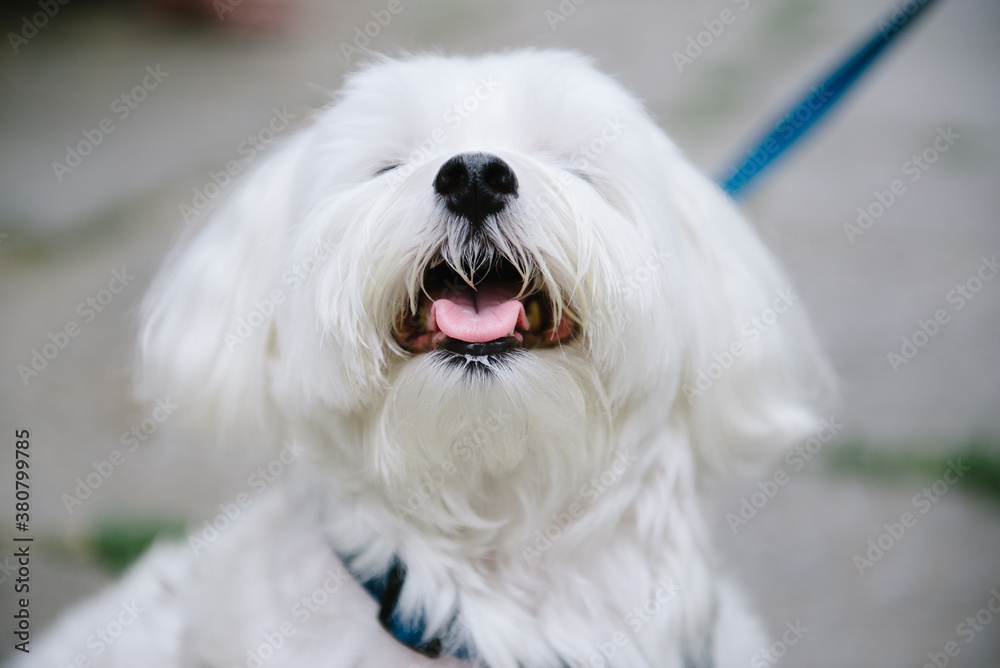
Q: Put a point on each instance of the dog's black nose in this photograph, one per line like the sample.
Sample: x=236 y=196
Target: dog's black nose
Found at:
x=476 y=185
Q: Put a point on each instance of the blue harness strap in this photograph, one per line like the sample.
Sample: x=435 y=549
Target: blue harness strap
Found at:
x=385 y=589
x=821 y=98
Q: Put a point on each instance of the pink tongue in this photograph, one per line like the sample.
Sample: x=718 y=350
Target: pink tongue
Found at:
x=486 y=314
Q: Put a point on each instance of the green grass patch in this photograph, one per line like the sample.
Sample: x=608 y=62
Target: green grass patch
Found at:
x=981 y=455
x=117 y=544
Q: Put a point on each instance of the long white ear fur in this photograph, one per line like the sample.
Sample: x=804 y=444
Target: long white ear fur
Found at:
x=207 y=320
x=754 y=380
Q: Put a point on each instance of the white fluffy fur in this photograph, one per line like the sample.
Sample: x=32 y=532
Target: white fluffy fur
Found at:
x=661 y=271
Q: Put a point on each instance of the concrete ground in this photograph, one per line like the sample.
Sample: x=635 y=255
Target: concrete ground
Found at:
x=61 y=241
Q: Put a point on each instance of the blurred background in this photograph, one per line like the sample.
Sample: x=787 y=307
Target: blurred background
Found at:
x=119 y=117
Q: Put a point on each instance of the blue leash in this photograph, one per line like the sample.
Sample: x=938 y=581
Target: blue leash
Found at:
x=821 y=98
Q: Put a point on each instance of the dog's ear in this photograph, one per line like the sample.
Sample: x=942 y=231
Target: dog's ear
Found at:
x=754 y=379
x=207 y=320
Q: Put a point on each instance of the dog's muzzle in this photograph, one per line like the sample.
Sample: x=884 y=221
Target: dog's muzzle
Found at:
x=490 y=308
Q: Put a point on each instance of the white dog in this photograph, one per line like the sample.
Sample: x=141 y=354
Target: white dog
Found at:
x=513 y=328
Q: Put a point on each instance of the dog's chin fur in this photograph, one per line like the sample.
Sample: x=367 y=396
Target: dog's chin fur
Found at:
x=536 y=496
x=505 y=430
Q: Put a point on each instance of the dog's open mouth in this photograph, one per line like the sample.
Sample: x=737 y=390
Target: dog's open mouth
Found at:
x=501 y=313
